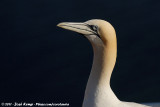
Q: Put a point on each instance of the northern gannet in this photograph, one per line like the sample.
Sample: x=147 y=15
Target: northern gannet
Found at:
x=102 y=37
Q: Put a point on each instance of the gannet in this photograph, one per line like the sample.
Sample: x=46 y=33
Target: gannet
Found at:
x=102 y=37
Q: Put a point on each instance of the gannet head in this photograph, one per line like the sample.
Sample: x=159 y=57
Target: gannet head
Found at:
x=97 y=31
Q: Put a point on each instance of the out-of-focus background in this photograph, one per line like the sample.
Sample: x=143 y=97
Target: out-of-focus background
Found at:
x=43 y=63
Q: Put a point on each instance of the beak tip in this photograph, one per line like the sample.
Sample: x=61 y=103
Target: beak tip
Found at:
x=59 y=24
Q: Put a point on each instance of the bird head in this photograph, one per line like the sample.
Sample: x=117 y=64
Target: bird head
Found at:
x=98 y=31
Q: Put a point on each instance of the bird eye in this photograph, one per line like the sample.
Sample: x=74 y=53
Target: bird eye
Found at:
x=94 y=27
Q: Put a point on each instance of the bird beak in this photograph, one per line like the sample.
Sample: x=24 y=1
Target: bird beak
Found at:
x=81 y=28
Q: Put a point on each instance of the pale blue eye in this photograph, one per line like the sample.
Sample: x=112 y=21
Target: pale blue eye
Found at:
x=94 y=27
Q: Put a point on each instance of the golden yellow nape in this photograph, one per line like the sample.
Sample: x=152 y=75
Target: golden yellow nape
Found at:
x=102 y=37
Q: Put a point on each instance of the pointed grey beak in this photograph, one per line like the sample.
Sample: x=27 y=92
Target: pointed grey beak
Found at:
x=81 y=28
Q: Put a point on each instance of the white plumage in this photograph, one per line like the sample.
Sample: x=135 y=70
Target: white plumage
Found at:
x=102 y=36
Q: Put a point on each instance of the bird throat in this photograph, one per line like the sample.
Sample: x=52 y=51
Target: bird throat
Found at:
x=98 y=91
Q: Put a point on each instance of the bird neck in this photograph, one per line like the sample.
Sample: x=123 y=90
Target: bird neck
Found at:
x=103 y=62
x=98 y=86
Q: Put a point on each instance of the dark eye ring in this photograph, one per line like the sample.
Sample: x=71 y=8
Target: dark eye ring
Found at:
x=94 y=27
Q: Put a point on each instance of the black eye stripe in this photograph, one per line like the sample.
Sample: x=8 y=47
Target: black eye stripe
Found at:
x=93 y=27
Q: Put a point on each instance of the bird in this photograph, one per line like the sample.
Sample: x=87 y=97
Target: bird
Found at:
x=102 y=36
